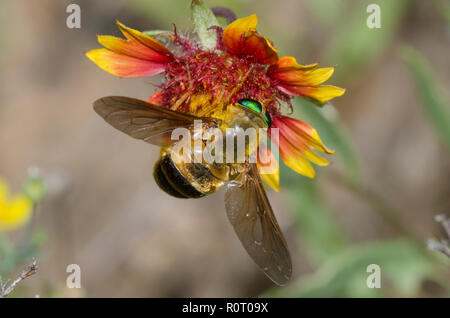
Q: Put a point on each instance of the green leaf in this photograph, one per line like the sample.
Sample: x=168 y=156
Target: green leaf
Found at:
x=433 y=100
x=332 y=133
x=320 y=234
x=443 y=8
x=39 y=238
x=404 y=266
x=203 y=19
x=355 y=46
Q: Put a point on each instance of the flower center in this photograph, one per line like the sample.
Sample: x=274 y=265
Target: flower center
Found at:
x=220 y=79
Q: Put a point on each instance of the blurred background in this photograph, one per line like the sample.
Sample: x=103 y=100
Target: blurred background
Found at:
x=95 y=201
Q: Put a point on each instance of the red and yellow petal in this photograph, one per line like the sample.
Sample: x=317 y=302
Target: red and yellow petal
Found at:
x=296 y=138
x=138 y=56
x=123 y=65
x=304 y=80
x=130 y=48
x=242 y=40
x=290 y=63
x=268 y=167
x=156 y=98
x=321 y=93
x=311 y=77
x=294 y=159
x=300 y=131
x=147 y=41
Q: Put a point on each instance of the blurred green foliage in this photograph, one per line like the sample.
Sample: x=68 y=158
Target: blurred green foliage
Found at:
x=15 y=252
x=436 y=105
x=342 y=265
x=34 y=188
x=443 y=8
x=2 y=31
x=355 y=47
x=14 y=255
x=326 y=121
x=319 y=233
x=164 y=13
x=404 y=266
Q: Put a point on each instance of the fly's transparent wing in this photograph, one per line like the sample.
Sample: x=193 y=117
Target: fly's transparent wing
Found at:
x=141 y=120
x=251 y=215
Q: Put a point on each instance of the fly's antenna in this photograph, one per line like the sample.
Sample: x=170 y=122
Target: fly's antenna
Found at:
x=238 y=87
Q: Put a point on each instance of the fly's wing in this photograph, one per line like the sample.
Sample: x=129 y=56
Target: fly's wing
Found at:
x=141 y=120
x=251 y=215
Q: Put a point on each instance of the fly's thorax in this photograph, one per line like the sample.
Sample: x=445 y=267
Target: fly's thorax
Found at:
x=243 y=130
x=238 y=116
x=213 y=158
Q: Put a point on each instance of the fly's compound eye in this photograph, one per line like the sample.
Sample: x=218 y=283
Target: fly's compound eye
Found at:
x=268 y=118
x=251 y=104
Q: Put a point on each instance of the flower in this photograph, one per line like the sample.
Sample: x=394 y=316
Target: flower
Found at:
x=304 y=80
x=295 y=142
x=15 y=210
x=204 y=81
x=141 y=55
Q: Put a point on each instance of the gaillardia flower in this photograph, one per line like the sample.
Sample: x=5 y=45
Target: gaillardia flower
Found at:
x=204 y=79
x=15 y=210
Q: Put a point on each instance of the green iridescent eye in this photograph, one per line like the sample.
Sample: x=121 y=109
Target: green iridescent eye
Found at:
x=251 y=104
x=257 y=108
x=268 y=119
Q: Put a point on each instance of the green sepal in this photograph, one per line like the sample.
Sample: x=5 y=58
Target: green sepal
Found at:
x=203 y=19
x=162 y=36
x=156 y=33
